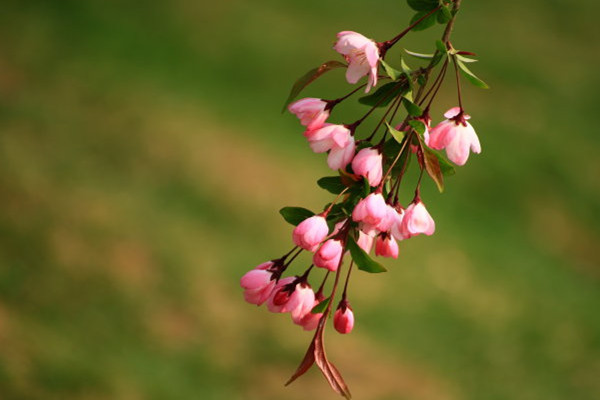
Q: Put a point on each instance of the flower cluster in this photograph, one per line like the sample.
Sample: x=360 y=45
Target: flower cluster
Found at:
x=371 y=179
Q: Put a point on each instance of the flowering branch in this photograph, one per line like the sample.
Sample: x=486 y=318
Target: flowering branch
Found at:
x=366 y=213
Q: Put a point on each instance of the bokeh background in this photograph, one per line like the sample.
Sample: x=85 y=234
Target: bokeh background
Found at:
x=143 y=158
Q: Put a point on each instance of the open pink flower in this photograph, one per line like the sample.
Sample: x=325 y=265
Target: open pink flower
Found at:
x=343 y=319
x=258 y=283
x=312 y=112
x=456 y=135
x=328 y=136
x=396 y=230
x=386 y=246
x=368 y=164
x=416 y=220
x=310 y=232
x=329 y=254
x=365 y=241
x=362 y=55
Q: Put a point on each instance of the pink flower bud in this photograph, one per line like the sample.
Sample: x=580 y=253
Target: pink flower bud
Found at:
x=327 y=137
x=303 y=298
x=339 y=157
x=281 y=297
x=362 y=55
x=329 y=254
x=368 y=164
x=291 y=295
x=258 y=284
x=309 y=321
x=343 y=319
x=455 y=135
x=386 y=246
x=310 y=232
x=371 y=210
x=416 y=220
x=311 y=112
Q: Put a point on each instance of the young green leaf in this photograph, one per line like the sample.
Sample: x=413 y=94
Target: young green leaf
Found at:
x=440 y=46
x=424 y=24
x=320 y=308
x=309 y=77
x=444 y=14
x=421 y=56
x=413 y=109
x=471 y=77
x=423 y=5
x=445 y=166
x=392 y=73
x=418 y=126
x=295 y=215
x=363 y=261
x=396 y=134
x=333 y=184
x=432 y=165
x=383 y=96
x=465 y=59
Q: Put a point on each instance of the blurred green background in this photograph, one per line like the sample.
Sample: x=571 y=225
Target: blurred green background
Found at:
x=143 y=158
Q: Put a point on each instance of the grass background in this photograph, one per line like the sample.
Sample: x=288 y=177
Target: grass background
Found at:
x=143 y=159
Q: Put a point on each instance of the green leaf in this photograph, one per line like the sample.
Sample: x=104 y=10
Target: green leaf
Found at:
x=392 y=73
x=426 y=23
x=320 y=308
x=363 y=261
x=309 y=77
x=413 y=109
x=295 y=215
x=418 y=126
x=396 y=134
x=471 y=77
x=421 y=56
x=423 y=5
x=383 y=96
x=445 y=166
x=465 y=59
x=333 y=184
x=432 y=165
x=440 y=46
x=444 y=14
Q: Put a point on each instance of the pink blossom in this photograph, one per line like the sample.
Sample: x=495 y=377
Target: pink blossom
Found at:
x=328 y=136
x=456 y=135
x=339 y=157
x=281 y=296
x=416 y=220
x=365 y=241
x=309 y=321
x=371 y=210
x=258 y=284
x=310 y=232
x=312 y=112
x=362 y=55
x=386 y=246
x=329 y=254
x=368 y=164
x=291 y=295
x=305 y=297
x=343 y=319
x=390 y=217
x=397 y=224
